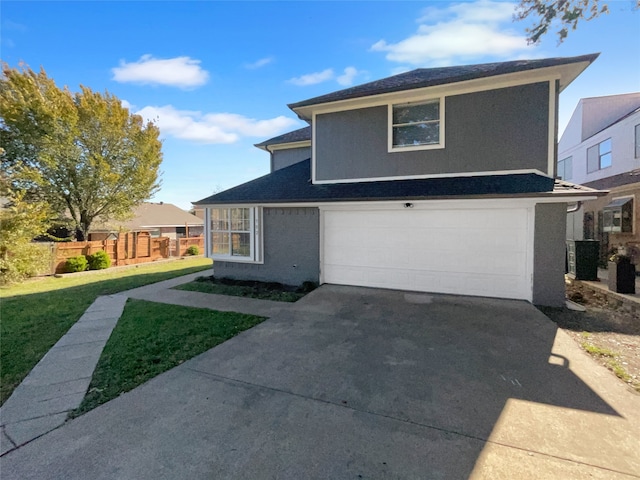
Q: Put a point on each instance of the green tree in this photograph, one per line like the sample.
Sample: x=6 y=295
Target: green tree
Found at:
x=20 y=221
x=564 y=14
x=83 y=153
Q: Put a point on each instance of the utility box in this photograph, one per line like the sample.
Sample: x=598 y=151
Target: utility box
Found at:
x=582 y=259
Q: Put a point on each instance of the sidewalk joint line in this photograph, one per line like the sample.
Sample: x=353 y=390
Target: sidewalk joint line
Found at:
x=222 y=378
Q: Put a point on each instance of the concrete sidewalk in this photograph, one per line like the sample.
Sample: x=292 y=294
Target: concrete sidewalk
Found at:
x=59 y=382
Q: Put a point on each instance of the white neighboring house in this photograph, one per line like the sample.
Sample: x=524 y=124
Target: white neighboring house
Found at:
x=600 y=148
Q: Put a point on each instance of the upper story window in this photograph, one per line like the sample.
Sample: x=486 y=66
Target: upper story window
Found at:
x=416 y=126
x=599 y=156
x=565 y=168
x=234 y=233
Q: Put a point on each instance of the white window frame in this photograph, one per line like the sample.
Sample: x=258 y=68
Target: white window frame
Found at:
x=433 y=146
x=256 y=237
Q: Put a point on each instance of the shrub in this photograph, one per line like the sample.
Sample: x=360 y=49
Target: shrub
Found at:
x=99 y=260
x=76 y=264
x=193 y=250
x=23 y=261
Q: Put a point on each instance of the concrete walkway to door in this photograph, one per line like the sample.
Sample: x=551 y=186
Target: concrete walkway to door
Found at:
x=362 y=383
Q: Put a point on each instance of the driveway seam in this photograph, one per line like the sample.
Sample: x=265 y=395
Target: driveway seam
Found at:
x=222 y=378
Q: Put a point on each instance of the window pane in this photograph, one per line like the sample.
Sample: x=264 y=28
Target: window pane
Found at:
x=593 y=160
x=605 y=147
x=220 y=243
x=416 y=113
x=568 y=168
x=240 y=219
x=219 y=219
x=605 y=160
x=241 y=244
x=421 y=134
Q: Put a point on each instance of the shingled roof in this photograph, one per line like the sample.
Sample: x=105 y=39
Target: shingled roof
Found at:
x=293 y=185
x=429 y=77
x=299 y=135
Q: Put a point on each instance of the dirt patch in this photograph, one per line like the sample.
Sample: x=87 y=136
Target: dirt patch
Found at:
x=609 y=330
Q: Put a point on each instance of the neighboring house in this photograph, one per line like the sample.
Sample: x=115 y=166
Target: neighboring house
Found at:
x=157 y=219
x=600 y=148
x=434 y=180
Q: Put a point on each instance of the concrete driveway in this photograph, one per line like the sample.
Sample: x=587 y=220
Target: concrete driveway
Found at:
x=354 y=383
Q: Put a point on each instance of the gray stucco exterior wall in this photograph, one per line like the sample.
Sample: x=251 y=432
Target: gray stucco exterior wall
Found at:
x=549 y=254
x=501 y=129
x=289 y=156
x=291 y=249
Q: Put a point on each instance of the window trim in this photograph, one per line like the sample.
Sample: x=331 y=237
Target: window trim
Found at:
x=255 y=229
x=600 y=155
x=441 y=118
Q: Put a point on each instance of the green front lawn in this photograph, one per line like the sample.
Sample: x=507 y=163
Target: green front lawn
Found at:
x=151 y=338
x=35 y=314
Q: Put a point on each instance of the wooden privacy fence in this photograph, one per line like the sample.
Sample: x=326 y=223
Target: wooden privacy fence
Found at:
x=182 y=244
x=129 y=248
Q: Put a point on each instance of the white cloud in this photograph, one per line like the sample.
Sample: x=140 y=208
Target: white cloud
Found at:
x=459 y=32
x=182 y=72
x=259 y=63
x=313 y=78
x=212 y=127
x=346 y=79
x=126 y=104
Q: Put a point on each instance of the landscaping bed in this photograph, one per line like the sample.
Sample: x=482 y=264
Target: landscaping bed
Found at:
x=609 y=332
x=249 y=288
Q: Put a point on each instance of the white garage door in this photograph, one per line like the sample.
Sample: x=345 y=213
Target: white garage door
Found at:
x=483 y=252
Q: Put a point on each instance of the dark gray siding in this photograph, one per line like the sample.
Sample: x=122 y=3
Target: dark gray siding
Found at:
x=291 y=249
x=289 y=156
x=549 y=254
x=502 y=129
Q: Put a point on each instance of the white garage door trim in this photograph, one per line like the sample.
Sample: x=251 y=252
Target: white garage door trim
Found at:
x=369 y=246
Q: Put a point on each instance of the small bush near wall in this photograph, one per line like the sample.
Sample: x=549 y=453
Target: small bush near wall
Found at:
x=193 y=250
x=23 y=261
x=99 y=260
x=76 y=264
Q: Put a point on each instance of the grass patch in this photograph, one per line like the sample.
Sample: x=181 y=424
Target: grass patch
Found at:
x=151 y=338
x=595 y=350
x=36 y=313
x=249 y=288
x=611 y=360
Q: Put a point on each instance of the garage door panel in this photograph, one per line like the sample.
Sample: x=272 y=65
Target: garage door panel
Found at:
x=473 y=252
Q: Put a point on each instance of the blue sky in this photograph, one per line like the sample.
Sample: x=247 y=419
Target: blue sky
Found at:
x=217 y=76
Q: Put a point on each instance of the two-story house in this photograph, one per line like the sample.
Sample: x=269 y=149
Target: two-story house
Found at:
x=600 y=148
x=434 y=180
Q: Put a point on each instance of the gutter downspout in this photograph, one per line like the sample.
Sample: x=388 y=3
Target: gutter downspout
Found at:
x=575 y=208
x=266 y=147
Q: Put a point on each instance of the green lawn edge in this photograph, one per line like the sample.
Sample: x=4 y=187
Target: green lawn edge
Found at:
x=151 y=338
x=34 y=315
